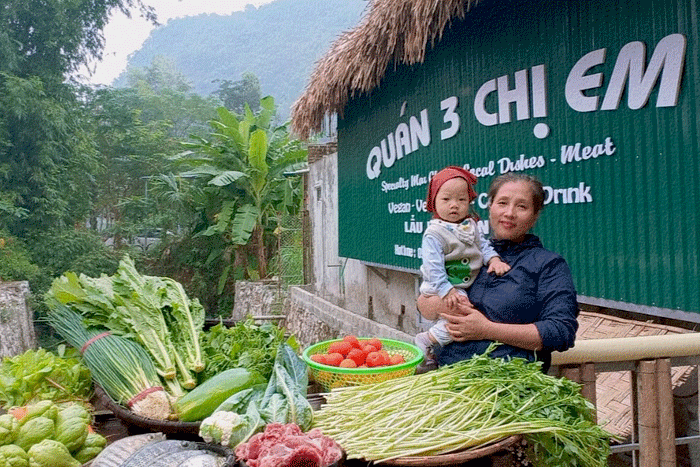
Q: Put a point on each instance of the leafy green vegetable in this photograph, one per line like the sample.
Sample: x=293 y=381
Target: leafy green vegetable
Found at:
x=285 y=400
x=243 y=345
x=43 y=375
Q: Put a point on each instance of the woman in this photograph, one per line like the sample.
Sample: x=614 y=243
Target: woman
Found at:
x=532 y=309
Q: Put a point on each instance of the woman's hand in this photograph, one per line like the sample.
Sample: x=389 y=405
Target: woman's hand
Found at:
x=468 y=324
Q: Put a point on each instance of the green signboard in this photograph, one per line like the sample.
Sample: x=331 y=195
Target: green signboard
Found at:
x=598 y=99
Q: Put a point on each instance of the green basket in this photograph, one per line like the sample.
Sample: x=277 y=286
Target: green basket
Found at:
x=330 y=377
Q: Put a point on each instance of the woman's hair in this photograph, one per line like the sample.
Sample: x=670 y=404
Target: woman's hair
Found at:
x=535 y=187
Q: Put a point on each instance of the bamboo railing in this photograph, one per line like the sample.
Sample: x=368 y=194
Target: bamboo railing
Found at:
x=649 y=359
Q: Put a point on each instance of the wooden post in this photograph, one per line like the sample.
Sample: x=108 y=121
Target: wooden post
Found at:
x=647 y=408
x=588 y=387
x=17 y=332
x=667 y=434
x=572 y=373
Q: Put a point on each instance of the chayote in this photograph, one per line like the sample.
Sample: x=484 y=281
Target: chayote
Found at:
x=44 y=408
x=73 y=410
x=87 y=453
x=71 y=432
x=14 y=455
x=93 y=445
x=51 y=453
x=95 y=440
x=34 y=431
x=9 y=426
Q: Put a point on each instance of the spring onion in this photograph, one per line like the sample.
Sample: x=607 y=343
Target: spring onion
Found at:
x=119 y=365
x=466 y=405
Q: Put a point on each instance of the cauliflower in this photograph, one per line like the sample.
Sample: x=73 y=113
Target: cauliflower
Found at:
x=228 y=428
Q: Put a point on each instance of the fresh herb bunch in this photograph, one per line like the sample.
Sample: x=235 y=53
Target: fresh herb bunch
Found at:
x=465 y=405
x=245 y=344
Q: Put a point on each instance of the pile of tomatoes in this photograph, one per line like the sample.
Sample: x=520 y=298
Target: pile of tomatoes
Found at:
x=351 y=352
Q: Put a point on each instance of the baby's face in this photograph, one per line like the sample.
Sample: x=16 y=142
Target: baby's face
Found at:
x=452 y=200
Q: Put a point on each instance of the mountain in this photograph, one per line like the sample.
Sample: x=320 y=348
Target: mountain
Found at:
x=279 y=42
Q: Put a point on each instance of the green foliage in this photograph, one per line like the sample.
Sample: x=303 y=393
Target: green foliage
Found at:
x=41 y=134
x=240 y=171
x=77 y=250
x=15 y=260
x=245 y=344
x=235 y=95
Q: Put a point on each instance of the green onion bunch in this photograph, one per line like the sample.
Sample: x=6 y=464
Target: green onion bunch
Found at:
x=119 y=365
x=466 y=405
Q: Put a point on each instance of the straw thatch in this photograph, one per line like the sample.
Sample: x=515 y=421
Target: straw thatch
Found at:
x=390 y=32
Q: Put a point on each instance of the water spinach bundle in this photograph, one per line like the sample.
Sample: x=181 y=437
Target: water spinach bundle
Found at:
x=466 y=405
x=154 y=311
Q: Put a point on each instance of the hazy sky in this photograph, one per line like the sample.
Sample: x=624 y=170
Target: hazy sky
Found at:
x=124 y=36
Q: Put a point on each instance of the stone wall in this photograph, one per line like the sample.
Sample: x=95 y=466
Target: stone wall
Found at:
x=312 y=319
x=17 y=332
x=255 y=298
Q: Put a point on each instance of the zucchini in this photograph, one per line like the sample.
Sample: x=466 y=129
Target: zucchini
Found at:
x=203 y=400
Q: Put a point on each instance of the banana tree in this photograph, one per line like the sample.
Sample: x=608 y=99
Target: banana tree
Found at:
x=242 y=166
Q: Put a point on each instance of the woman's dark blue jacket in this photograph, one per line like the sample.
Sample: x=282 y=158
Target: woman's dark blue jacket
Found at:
x=538 y=289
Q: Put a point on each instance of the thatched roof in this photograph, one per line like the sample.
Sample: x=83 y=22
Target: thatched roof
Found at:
x=390 y=32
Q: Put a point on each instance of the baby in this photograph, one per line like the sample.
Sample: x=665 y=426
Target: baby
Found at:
x=453 y=249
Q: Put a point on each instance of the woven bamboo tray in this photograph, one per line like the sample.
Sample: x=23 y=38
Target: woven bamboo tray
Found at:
x=168 y=427
x=455 y=458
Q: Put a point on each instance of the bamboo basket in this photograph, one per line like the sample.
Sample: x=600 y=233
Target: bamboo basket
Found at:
x=456 y=458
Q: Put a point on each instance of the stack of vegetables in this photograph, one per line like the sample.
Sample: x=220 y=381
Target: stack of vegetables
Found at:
x=45 y=434
x=465 y=405
x=249 y=408
x=153 y=311
x=143 y=338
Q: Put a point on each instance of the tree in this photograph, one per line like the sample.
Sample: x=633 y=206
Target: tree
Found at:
x=236 y=95
x=165 y=94
x=47 y=159
x=241 y=168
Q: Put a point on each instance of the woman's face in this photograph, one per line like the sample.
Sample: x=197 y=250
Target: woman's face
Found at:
x=512 y=212
x=452 y=200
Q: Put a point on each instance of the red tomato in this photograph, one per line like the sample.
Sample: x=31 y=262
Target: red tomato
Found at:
x=357 y=355
x=318 y=358
x=385 y=356
x=334 y=359
x=396 y=359
x=352 y=340
x=341 y=347
x=374 y=359
x=348 y=363
x=368 y=349
x=376 y=343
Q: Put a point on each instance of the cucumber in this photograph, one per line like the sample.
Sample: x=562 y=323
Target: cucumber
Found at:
x=203 y=400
